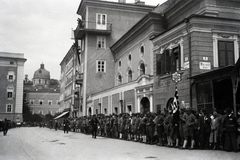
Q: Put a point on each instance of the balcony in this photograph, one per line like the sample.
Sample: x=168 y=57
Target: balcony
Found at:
x=79 y=78
x=92 y=27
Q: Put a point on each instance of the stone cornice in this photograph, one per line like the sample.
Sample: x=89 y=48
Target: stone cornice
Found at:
x=113 y=5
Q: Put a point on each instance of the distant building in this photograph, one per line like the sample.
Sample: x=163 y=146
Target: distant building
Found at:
x=68 y=101
x=42 y=93
x=11 y=85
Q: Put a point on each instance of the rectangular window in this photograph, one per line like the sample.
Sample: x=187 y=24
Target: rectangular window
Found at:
x=101 y=21
x=101 y=42
x=9 y=108
x=101 y=66
x=176 y=59
x=10 y=77
x=225 y=53
x=9 y=94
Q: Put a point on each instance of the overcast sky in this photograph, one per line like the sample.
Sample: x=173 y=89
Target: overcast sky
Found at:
x=41 y=29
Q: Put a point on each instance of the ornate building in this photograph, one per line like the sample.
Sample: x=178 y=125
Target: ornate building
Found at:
x=43 y=93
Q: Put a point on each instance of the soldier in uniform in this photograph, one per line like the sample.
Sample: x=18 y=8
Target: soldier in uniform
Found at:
x=94 y=123
x=168 y=127
x=188 y=128
x=159 y=120
x=149 y=128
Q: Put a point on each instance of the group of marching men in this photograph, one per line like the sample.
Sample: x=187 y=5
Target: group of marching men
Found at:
x=180 y=128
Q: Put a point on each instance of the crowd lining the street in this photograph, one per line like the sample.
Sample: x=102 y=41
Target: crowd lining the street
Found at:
x=183 y=129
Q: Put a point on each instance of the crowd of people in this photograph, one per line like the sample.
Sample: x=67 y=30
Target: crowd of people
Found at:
x=183 y=129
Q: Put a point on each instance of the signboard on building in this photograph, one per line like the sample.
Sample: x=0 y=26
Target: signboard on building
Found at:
x=205 y=65
x=186 y=65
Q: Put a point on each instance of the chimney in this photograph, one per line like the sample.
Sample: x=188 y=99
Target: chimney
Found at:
x=139 y=2
x=121 y=1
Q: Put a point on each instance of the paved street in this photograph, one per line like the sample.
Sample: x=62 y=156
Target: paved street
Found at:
x=35 y=143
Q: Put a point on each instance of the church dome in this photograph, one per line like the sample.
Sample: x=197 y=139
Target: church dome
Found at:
x=41 y=73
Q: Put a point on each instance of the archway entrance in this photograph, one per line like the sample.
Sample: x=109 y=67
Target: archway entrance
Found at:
x=145 y=105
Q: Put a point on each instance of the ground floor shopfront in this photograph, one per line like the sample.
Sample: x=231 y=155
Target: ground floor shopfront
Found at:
x=213 y=90
x=218 y=89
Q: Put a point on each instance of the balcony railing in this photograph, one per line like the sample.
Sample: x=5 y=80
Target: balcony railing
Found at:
x=79 y=78
x=92 y=27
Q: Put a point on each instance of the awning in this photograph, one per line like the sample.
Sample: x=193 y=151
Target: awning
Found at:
x=64 y=113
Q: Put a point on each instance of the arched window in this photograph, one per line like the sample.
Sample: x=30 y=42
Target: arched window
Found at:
x=130 y=58
x=119 y=79
x=142 y=50
x=129 y=75
x=142 y=69
x=119 y=64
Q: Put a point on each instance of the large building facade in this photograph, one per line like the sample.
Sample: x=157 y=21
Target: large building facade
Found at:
x=132 y=56
x=101 y=24
x=201 y=46
x=11 y=85
x=42 y=93
x=69 y=90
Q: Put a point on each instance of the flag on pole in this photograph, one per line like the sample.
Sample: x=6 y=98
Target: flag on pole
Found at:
x=175 y=101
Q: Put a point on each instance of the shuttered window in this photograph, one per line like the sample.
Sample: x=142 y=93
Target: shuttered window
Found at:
x=169 y=61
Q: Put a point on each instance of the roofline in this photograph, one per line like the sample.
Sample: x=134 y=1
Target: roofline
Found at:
x=104 y=3
x=68 y=53
x=186 y=20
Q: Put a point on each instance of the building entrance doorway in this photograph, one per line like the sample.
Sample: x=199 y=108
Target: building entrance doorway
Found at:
x=90 y=111
x=223 y=95
x=145 y=105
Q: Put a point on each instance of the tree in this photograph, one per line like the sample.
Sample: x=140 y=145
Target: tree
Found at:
x=27 y=115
